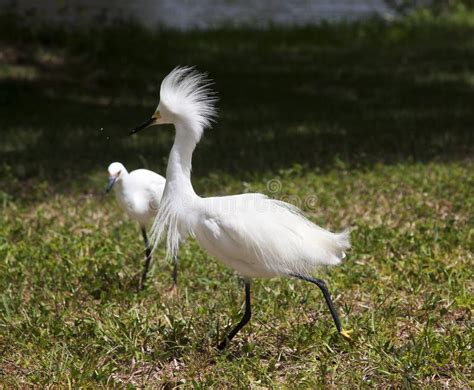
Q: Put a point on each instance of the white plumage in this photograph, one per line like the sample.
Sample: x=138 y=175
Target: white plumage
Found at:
x=139 y=194
x=262 y=237
x=251 y=233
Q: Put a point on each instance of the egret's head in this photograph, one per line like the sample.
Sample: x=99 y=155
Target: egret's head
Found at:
x=185 y=97
x=115 y=170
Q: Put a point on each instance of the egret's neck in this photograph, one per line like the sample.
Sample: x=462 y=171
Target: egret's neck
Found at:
x=178 y=173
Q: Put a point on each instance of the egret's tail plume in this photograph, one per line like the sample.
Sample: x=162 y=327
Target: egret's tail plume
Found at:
x=344 y=241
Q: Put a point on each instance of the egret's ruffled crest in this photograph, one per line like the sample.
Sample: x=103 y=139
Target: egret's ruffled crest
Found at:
x=186 y=94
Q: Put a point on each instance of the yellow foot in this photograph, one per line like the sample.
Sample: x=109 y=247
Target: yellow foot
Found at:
x=346 y=333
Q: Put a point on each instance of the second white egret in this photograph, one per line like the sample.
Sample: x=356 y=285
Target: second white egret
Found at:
x=139 y=194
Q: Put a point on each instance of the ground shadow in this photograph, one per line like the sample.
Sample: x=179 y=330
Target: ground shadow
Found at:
x=319 y=96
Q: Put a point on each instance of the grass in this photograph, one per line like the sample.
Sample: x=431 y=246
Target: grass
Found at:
x=365 y=125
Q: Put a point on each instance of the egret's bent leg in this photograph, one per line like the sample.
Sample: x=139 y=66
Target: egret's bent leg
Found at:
x=243 y=321
x=147 y=260
x=322 y=285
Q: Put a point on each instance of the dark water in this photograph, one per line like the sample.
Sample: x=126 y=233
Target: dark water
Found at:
x=187 y=14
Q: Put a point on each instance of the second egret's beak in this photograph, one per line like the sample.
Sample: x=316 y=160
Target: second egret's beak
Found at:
x=150 y=122
x=110 y=184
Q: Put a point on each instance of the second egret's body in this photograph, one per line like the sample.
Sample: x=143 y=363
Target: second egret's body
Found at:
x=251 y=233
x=139 y=194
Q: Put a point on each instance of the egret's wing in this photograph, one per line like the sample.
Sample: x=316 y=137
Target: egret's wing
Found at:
x=268 y=235
x=224 y=239
x=155 y=189
x=225 y=231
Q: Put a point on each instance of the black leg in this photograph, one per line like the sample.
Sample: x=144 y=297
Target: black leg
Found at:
x=243 y=321
x=322 y=285
x=147 y=260
x=175 y=271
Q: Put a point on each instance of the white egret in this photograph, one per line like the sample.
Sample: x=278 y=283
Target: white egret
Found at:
x=251 y=233
x=139 y=193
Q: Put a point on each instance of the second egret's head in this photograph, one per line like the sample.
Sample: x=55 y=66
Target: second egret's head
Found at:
x=115 y=170
x=185 y=97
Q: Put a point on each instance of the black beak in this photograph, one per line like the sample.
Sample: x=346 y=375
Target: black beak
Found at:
x=144 y=125
x=110 y=184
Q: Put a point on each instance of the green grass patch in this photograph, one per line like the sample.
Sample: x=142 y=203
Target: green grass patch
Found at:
x=367 y=125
